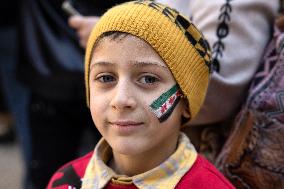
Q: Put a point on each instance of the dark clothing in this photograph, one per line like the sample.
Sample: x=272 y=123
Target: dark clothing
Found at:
x=8 y=17
x=3 y=107
x=51 y=58
x=9 y=13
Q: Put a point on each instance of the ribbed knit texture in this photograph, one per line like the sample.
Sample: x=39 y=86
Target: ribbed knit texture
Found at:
x=175 y=39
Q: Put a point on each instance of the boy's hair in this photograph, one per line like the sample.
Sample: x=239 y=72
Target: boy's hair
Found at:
x=178 y=42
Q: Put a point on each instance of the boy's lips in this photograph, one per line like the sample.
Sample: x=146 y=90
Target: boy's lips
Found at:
x=125 y=127
x=125 y=123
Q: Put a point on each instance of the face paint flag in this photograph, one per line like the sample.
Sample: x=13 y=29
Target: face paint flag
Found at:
x=165 y=104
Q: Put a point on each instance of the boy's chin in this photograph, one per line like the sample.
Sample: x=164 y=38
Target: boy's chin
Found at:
x=128 y=148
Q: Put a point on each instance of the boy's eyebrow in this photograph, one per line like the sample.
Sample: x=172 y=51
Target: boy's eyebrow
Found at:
x=142 y=63
x=134 y=63
x=101 y=63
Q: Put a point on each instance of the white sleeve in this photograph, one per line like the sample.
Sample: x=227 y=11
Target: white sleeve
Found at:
x=249 y=27
x=181 y=5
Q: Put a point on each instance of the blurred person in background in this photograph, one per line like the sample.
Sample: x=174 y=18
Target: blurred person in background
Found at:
x=14 y=95
x=51 y=66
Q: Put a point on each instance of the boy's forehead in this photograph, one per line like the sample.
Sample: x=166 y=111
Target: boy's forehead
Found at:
x=123 y=39
x=135 y=50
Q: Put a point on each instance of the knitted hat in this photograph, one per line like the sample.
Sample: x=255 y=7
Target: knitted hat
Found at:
x=178 y=42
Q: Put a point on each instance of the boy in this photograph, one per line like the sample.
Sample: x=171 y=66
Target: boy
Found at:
x=147 y=71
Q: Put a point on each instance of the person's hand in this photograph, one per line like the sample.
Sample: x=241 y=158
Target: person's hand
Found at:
x=83 y=25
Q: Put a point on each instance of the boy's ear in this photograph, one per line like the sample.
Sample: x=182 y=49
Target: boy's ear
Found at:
x=186 y=112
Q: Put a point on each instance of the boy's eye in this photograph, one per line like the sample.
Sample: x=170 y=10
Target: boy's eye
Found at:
x=105 y=78
x=148 y=79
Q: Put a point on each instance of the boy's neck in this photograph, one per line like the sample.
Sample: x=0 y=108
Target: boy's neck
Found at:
x=131 y=165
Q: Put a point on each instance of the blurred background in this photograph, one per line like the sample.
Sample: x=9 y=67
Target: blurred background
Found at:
x=11 y=159
x=11 y=166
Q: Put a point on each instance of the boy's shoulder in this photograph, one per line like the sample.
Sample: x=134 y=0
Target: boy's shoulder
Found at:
x=204 y=175
x=70 y=174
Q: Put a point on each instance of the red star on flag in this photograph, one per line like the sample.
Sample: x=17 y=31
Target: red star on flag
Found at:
x=172 y=99
x=164 y=108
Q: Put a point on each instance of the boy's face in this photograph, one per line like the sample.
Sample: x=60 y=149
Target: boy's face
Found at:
x=126 y=76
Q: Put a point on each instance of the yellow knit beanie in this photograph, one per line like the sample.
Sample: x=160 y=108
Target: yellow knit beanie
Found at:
x=179 y=43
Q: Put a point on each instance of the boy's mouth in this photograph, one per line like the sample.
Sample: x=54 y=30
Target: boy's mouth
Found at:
x=125 y=123
x=126 y=127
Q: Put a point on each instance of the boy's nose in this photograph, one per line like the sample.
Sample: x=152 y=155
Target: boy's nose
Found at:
x=123 y=97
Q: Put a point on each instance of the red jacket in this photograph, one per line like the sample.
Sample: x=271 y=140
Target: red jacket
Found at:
x=202 y=175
